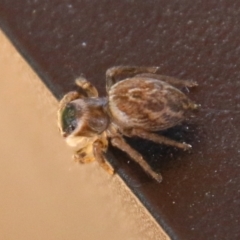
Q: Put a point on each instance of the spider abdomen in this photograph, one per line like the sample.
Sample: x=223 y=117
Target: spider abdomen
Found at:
x=147 y=103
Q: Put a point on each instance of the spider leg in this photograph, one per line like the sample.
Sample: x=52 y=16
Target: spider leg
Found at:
x=82 y=157
x=137 y=157
x=90 y=90
x=98 y=150
x=170 y=80
x=113 y=72
x=157 y=138
x=67 y=98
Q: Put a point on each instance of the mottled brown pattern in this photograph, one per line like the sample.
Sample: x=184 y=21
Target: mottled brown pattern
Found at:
x=145 y=102
x=154 y=105
x=176 y=100
x=172 y=119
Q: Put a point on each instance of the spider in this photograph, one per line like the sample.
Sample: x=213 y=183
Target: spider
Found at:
x=136 y=106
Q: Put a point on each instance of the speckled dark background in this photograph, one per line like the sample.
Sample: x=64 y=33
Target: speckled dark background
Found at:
x=199 y=197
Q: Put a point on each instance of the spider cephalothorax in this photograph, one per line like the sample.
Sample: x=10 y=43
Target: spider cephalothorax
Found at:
x=135 y=107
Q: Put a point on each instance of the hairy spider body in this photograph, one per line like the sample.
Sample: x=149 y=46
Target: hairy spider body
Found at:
x=134 y=107
x=147 y=103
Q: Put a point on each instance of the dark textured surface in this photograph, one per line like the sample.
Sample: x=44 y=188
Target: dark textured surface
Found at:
x=199 y=197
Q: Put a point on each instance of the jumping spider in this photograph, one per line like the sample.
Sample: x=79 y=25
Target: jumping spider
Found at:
x=135 y=107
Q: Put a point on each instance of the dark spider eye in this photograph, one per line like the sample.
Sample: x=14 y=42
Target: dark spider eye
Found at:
x=69 y=119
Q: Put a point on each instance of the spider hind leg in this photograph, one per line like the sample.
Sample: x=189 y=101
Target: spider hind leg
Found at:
x=170 y=80
x=113 y=72
x=120 y=143
x=157 y=138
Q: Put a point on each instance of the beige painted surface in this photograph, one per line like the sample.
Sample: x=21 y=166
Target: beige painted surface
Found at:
x=43 y=194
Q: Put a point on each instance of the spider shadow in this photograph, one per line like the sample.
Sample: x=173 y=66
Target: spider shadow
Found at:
x=160 y=157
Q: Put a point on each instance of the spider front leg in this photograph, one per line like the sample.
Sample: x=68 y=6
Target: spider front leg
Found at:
x=67 y=98
x=90 y=90
x=113 y=72
x=169 y=80
x=98 y=151
x=84 y=155
x=120 y=143
x=156 y=138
